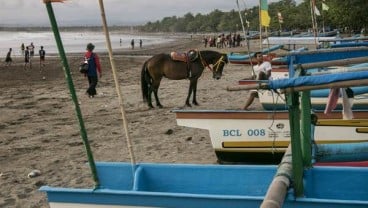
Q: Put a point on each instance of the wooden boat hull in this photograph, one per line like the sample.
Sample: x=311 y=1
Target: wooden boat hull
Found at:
x=209 y=186
x=263 y=136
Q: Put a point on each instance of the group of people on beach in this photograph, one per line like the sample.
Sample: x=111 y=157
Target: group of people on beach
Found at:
x=28 y=54
x=132 y=43
x=222 y=41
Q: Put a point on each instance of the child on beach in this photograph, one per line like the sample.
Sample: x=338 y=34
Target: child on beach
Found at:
x=42 y=54
x=27 y=59
x=31 y=50
x=8 y=58
x=22 y=48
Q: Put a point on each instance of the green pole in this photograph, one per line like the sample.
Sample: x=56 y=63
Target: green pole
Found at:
x=297 y=161
x=306 y=129
x=72 y=91
x=294 y=120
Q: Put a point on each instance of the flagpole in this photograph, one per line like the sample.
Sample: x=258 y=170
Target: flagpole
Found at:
x=260 y=26
x=314 y=22
x=323 y=21
x=245 y=35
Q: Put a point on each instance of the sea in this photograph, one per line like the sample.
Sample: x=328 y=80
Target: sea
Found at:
x=74 y=42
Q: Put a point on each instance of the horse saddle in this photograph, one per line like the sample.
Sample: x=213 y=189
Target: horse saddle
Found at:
x=191 y=55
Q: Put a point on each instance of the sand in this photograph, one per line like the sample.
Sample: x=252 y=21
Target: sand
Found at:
x=40 y=131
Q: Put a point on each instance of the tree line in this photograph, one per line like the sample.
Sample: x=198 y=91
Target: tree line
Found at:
x=347 y=15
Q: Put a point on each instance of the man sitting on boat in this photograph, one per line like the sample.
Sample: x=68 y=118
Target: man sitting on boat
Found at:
x=261 y=71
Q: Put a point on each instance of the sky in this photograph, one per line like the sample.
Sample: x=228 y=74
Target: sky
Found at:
x=118 y=12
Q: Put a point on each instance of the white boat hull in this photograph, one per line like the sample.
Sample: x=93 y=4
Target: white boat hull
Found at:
x=260 y=132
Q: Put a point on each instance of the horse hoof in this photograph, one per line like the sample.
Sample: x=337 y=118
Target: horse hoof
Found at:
x=160 y=106
x=151 y=106
x=195 y=103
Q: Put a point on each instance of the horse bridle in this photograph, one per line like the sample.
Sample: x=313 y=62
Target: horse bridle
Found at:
x=216 y=65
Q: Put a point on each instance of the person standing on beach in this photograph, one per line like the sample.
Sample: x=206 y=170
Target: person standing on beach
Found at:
x=22 y=47
x=42 y=54
x=27 y=59
x=261 y=71
x=132 y=43
x=94 y=69
x=140 y=43
x=31 y=50
x=8 y=59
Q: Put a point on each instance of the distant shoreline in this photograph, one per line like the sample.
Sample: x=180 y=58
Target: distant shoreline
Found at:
x=66 y=28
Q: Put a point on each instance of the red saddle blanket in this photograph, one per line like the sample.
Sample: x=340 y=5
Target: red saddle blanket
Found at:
x=179 y=56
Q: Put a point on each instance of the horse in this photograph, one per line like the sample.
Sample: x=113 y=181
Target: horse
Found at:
x=163 y=65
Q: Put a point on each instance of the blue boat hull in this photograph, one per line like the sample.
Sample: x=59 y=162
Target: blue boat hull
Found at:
x=212 y=186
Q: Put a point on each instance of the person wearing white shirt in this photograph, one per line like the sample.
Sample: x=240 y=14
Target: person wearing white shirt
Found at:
x=261 y=71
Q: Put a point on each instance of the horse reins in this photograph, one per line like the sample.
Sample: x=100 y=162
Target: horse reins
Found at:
x=217 y=64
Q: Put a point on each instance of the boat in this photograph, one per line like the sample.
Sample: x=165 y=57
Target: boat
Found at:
x=294 y=183
x=295 y=40
x=243 y=58
x=345 y=42
x=210 y=186
x=263 y=136
x=271 y=100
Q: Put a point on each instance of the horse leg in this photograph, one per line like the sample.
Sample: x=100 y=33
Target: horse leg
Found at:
x=155 y=86
x=157 y=100
x=149 y=98
x=189 y=93
x=195 y=92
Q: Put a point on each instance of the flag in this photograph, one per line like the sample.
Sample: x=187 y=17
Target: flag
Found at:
x=279 y=16
x=316 y=11
x=325 y=7
x=265 y=18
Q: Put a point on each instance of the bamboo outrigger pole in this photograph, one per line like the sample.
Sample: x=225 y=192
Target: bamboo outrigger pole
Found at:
x=245 y=36
x=69 y=80
x=117 y=85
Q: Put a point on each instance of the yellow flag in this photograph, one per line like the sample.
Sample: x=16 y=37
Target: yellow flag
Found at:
x=265 y=18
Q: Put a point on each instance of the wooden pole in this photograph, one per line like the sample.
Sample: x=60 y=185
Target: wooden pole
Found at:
x=261 y=85
x=329 y=51
x=117 y=86
x=305 y=130
x=277 y=190
x=340 y=62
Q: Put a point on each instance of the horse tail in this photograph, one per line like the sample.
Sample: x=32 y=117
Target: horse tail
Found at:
x=145 y=81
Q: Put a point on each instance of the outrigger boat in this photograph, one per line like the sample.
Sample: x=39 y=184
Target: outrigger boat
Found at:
x=243 y=58
x=271 y=100
x=293 y=184
x=263 y=136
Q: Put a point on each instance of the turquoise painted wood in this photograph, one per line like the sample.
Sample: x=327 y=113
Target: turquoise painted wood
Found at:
x=213 y=186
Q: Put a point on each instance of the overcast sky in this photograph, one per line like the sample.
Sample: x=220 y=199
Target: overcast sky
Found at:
x=118 y=12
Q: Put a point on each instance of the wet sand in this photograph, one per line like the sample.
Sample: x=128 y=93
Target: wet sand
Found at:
x=39 y=128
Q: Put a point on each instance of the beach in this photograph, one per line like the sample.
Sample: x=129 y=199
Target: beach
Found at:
x=40 y=131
